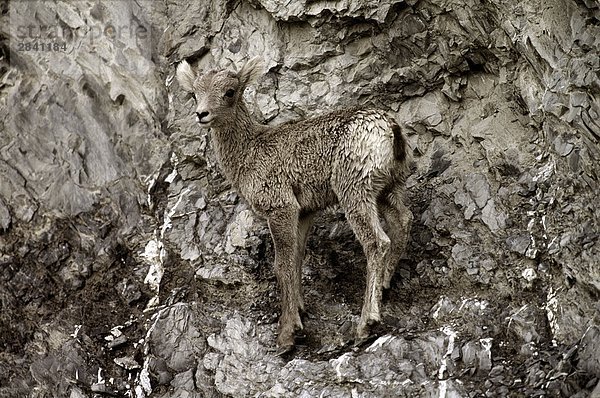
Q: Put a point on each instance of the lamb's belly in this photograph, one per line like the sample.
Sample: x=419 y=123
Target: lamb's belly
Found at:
x=312 y=198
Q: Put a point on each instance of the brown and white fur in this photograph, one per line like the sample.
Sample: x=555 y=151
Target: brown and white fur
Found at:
x=356 y=158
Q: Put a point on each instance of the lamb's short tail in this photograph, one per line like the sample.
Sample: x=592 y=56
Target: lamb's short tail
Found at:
x=400 y=145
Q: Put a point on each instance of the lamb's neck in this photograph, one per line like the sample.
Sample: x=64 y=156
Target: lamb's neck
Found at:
x=232 y=142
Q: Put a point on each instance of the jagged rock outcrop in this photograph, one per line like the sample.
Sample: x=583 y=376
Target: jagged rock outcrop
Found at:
x=128 y=265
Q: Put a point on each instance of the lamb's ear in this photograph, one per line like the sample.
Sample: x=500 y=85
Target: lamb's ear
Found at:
x=185 y=76
x=251 y=71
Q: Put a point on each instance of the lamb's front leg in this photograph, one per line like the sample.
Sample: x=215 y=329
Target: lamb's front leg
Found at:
x=283 y=224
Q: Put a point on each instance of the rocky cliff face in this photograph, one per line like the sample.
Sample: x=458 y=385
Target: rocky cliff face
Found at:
x=129 y=267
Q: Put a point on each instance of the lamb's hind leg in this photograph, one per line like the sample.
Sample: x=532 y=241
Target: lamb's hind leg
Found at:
x=304 y=223
x=283 y=224
x=364 y=220
x=398 y=218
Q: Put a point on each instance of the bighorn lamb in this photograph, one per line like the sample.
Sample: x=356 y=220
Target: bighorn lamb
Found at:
x=354 y=157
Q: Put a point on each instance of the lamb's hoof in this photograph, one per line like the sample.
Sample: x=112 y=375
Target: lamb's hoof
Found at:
x=387 y=283
x=285 y=340
x=364 y=332
x=283 y=350
x=362 y=335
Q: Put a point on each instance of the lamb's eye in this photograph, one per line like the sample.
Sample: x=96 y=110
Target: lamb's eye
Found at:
x=194 y=97
x=229 y=93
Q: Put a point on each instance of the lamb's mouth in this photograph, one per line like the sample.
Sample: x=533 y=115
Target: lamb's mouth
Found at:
x=203 y=122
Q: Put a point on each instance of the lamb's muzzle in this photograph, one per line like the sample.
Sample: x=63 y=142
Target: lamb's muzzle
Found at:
x=202 y=117
x=356 y=158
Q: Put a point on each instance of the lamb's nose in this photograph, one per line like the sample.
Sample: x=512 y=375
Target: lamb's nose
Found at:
x=200 y=116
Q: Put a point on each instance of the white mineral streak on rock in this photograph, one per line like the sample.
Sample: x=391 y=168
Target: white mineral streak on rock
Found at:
x=150 y=181
x=552 y=311
x=443 y=388
x=529 y=274
x=168 y=216
x=127 y=362
x=512 y=317
x=76 y=332
x=448 y=331
x=174 y=161
x=544 y=172
x=144 y=388
x=340 y=362
x=380 y=342
x=154 y=252
x=531 y=251
x=474 y=303
x=486 y=343
x=142 y=382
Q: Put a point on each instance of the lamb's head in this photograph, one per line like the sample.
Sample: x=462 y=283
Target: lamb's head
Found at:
x=218 y=94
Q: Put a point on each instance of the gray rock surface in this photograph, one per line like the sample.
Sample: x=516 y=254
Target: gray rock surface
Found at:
x=129 y=267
